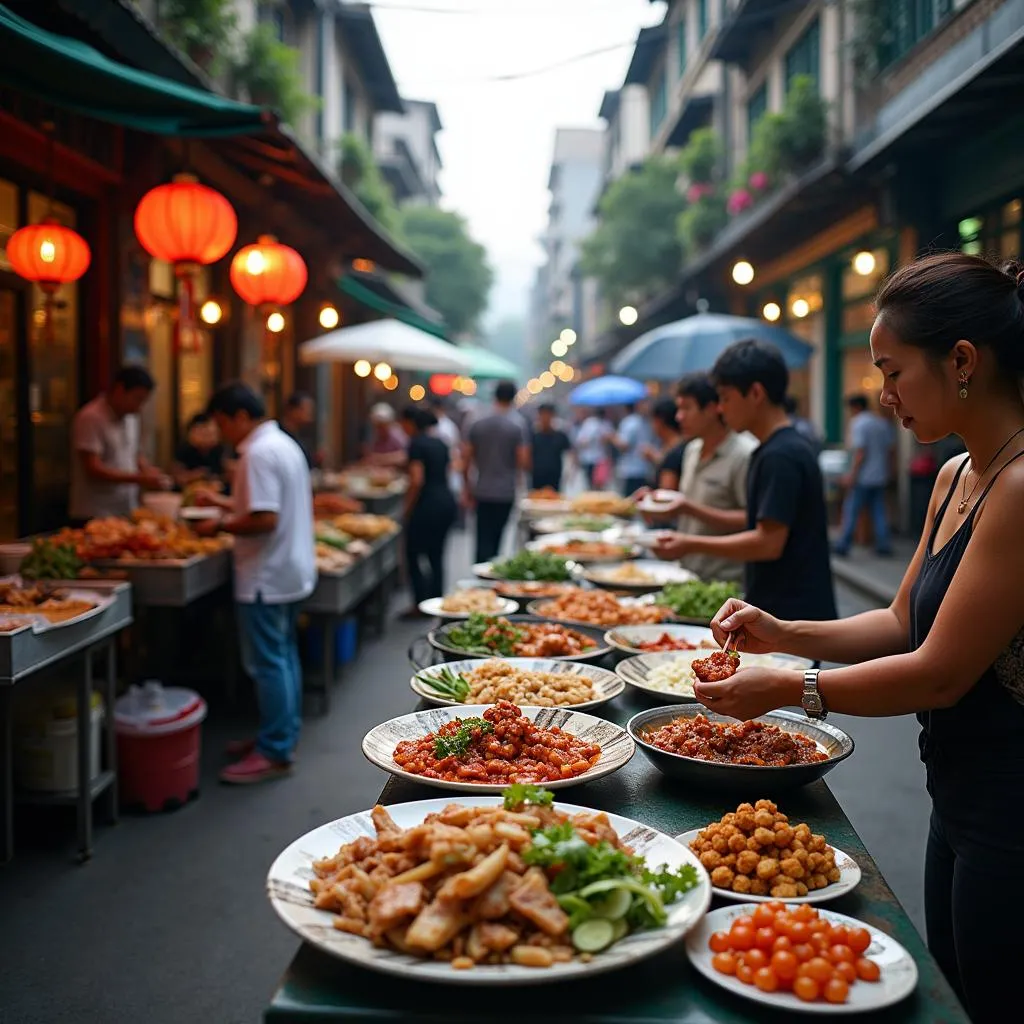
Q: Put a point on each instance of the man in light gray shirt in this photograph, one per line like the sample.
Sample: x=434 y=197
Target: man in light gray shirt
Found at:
x=871 y=442
x=498 y=448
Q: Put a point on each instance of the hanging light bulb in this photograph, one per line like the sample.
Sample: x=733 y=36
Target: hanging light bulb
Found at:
x=382 y=371
x=211 y=312
x=329 y=318
x=362 y=368
x=275 y=323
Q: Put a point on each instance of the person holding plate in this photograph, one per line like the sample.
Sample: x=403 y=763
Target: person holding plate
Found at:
x=949 y=340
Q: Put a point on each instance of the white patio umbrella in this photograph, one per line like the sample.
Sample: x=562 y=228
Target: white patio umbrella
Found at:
x=385 y=341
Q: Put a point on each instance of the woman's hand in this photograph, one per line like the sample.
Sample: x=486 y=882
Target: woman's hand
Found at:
x=671 y=545
x=753 y=630
x=751 y=692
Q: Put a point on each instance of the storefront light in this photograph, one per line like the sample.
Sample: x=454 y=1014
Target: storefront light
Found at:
x=556 y=366
x=772 y=311
x=800 y=308
x=534 y=386
x=275 y=323
x=864 y=263
x=329 y=318
x=742 y=272
x=628 y=316
x=469 y=387
x=417 y=392
x=362 y=368
x=568 y=336
x=391 y=383
x=559 y=348
x=547 y=379
x=382 y=371
x=211 y=312
x=566 y=374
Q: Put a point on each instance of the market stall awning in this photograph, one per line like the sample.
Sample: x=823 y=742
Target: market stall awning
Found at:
x=74 y=75
x=375 y=292
x=399 y=345
x=487 y=365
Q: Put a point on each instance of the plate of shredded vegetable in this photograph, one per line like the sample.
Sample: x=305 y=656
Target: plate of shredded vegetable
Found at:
x=695 y=600
x=492 y=890
x=529 y=565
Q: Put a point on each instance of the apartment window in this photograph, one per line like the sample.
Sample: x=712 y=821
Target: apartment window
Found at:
x=757 y=107
x=910 y=22
x=681 y=41
x=659 y=100
x=804 y=56
x=702 y=18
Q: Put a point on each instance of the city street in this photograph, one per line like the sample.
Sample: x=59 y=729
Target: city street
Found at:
x=192 y=936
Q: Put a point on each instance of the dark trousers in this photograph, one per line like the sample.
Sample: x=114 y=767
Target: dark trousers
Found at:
x=425 y=538
x=491 y=517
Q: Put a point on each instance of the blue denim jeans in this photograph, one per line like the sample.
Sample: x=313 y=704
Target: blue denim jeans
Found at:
x=861 y=497
x=270 y=655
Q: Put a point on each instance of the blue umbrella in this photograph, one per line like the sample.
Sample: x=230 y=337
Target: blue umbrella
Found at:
x=607 y=391
x=693 y=344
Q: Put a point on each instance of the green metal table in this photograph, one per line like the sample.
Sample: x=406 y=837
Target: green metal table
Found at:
x=317 y=987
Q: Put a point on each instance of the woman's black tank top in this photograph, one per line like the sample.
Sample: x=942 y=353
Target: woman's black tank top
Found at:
x=986 y=726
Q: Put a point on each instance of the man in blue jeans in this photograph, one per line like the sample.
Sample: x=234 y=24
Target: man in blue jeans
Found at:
x=871 y=444
x=275 y=571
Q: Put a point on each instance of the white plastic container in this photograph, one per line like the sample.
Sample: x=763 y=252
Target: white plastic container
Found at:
x=46 y=745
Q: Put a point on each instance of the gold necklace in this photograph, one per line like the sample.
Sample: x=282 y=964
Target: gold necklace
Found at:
x=965 y=499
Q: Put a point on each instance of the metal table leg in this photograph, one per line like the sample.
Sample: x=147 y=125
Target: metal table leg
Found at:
x=110 y=732
x=84 y=759
x=6 y=773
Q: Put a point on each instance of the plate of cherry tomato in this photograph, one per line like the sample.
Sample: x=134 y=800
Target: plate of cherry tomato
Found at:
x=801 y=959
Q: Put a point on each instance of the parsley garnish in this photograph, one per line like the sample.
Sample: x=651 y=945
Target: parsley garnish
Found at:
x=519 y=793
x=456 y=744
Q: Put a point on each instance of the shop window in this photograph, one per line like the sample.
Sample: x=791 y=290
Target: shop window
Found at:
x=909 y=22
x=702 y=18
x=803 y=315
x=804 y=56
x=681 y=41
x=860 y=375
x=862 y=274
x=757 y=107
x=995 y=232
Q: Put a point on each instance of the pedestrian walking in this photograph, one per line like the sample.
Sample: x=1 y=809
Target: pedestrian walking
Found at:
x=498 y=450
x=871 y=443
x=785 y=541
x=592 y=440
x=430 y=508
x=298 y=418
x=275 y=571
x=949 y=340
x=666 y=453
x=549 y=445
x=632 y=440
x=802 y=424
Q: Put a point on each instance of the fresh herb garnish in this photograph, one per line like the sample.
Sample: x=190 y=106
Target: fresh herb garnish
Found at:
x=575 y=863
x=526 y=793
x=482 y=634
x=532 y=565
x=455 y=744
x=447 y=683
x=696 y=599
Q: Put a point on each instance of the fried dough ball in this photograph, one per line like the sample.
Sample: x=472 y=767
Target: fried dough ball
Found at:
x=711 y=859
x=741 y=884
x=784 y=890
x=764 y=818
x=758 y=887
x=722 y=877
x=720 y=844
x=801 y=889
x=792 y=868
x=746 y=862
x=766 y=805
x=767 y=868
x=833 y=875
x=783 y=835
x=803 y=833
x=817 y=844
x=764 y=836
x=745 y=820
x=745 y=809
x=814 y=861
x=817 y=882
x=801 y=855
x=738 y=842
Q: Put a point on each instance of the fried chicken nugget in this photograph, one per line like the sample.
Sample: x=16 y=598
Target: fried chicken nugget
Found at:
x=758 y=887
x=783 y=835
x=738 y=842
x=784 y=890
x=741 y=884
x=711 y=859
x=746 y=862
x=722 y=877
x=792 y=868
x=764 y=818
x=768 y=868
x=764 y=836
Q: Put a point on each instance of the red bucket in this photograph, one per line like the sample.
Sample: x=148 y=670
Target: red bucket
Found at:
x=158 y=746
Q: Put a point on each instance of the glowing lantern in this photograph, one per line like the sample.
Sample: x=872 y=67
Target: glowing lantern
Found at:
x=268 y=273
x=442 y=383
x=185 y=222
x=49 y=254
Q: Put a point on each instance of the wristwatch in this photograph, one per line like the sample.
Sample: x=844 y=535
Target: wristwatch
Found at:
x=811 y=702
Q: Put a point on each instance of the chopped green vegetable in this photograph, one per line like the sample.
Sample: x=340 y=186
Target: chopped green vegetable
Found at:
x=526 y=793
x=589 y=524
x=447 y=683
x=456 y=744
x=615 y=905
x=576 y=861
x=695 y=599
x=50 y=561
x=594 y=935
x=532 y=565
x=482 y=634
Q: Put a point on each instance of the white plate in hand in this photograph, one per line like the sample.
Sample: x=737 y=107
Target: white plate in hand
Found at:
x=658 y=501
x=435 y=606
x=849 y=879
x=898 y=980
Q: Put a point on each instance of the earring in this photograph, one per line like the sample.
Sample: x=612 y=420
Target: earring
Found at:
x=964 y=380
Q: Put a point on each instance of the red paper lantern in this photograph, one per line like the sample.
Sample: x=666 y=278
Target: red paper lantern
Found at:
x=268 y=273
x=49 y=254
x=185 y=222
x=441 y=383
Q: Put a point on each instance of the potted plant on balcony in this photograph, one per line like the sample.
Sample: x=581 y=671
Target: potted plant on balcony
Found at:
x=268 y=70
x=203 y=29
x=806 y=124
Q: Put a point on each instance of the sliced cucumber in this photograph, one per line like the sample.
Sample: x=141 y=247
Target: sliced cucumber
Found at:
x=613 y=906
x=594 y=935
x=621 y=928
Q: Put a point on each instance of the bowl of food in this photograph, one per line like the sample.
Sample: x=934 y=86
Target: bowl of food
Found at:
x=462 y=603
x=654 y=639
x=777 y=751
x=642 y=576
x=525 y=591
x=533 y=566
x=583 y=548
x=696 y=601
x=670 y=675
x=535 y=682
x=517 y=636
x=544 y=501
x=574 y=523
x=597 y=608
x=602 y=503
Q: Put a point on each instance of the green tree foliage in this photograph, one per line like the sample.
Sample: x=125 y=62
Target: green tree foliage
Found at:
x=635 y=251
x=788 y=141
x=203 y=29
x=270 y=72
x=359 y=171
x=701 y=159
x=459 y=277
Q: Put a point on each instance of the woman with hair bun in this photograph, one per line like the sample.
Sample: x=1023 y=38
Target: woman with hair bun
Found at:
x=949 y=340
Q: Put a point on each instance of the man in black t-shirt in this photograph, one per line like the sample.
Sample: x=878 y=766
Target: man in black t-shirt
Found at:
x=785 y=545
x=549 y=445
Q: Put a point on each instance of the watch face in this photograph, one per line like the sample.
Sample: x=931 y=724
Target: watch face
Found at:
x=812 y=704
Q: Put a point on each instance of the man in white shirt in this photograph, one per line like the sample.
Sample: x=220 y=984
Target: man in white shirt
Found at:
x=107 y=469
x=275 y=571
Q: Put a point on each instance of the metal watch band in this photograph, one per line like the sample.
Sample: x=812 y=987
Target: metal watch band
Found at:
x=811 y=702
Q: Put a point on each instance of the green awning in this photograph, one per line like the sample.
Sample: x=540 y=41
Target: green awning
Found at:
x=488 y=365
x=368 y=297
x=70 y=74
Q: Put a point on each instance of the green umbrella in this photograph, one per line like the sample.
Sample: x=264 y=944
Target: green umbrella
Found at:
x=487 y=365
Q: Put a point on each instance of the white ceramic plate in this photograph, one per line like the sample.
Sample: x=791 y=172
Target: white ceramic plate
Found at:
x=506 y=606
x=561 y=523
x=604 y=683
x=657 y=501
x=288 y=890
x=554 y=540
x=625 y=638
x=531 y=507
x=849 y=879
x=617 y=746
x=485 y=570
x=658 y=573
x=636 y=671
x=898 y=980
x=197 y=512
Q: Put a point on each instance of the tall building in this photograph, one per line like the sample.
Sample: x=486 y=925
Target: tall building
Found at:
x=405 y=146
